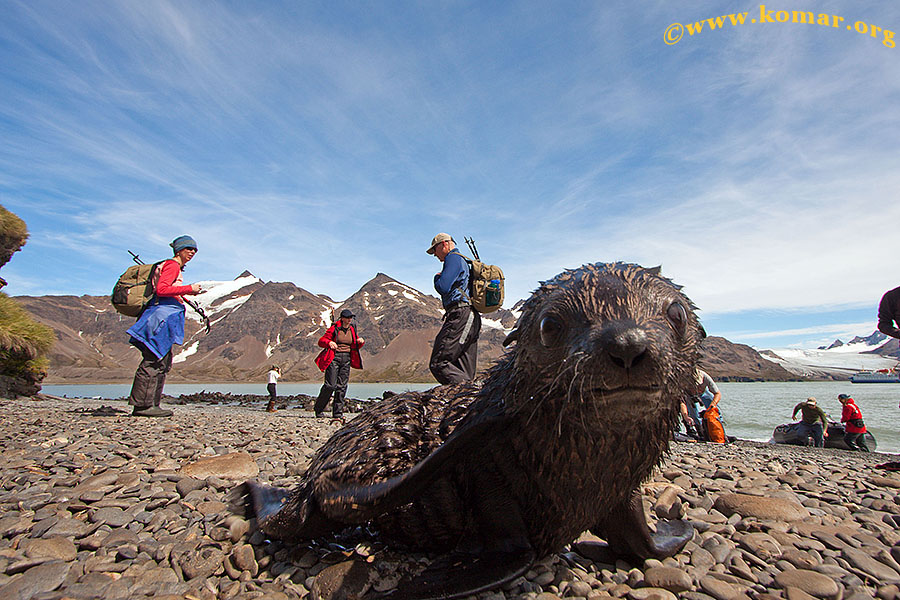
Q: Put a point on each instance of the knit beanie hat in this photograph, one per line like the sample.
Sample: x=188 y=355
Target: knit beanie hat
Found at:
x=182 y=242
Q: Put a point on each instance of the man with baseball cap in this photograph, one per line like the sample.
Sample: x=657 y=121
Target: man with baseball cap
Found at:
x=455 y=349
x=813 y=421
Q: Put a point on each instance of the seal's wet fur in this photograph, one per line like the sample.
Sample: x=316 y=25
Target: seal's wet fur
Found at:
x=554 y=441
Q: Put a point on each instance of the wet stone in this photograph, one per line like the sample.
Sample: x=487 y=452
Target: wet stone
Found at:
x=721 y=590
x=873 y=567
x=351 y=578
x=674 y=580
x=760 y=507
x=762 y=546
x=37 y=580
x=114 y=517
x=186 y=485
x=651 y=593
x=203 y=563
x=245 y=559
x=235 y=466
x=811 y=582
x=69 y=528
x=119 y=537
x=54 y=548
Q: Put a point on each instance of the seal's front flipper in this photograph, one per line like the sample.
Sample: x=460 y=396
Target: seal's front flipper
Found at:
x=626 y=531
x=263 y=500
x=357 y=503
x=458 y=575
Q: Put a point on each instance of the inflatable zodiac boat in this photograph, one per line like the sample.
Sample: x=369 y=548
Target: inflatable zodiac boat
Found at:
x=789 y=433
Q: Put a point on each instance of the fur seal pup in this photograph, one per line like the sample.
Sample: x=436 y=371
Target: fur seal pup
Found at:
x=555 y=441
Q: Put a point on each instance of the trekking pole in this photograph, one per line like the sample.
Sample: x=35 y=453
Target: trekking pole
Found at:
x=471 y=244
x=188 y=301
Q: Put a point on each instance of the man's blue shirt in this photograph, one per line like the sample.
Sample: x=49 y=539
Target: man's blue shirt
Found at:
x=453 y=279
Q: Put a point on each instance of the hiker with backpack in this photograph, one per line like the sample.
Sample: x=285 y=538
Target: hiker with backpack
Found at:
x=455 y=349
x=160 y=326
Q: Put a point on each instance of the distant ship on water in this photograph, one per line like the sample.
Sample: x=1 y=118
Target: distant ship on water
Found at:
x=879 y=376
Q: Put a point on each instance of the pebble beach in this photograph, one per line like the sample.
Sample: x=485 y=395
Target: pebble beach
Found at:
x=95 y=503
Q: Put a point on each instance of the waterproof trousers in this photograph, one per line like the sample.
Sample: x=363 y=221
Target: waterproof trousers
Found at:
x=815 y=430
x=272 y=396
x=149 y=378
x=337 y=375
x=856 y=441
x=456 y=346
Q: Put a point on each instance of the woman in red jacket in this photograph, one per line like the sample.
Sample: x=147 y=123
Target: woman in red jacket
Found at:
x=340 y=352
x=854 y=428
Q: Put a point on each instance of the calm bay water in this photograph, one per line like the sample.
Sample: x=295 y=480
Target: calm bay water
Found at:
x=750 y=410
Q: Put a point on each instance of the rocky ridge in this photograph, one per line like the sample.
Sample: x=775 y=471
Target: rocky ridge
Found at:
x=256 y=324
x=98 y=504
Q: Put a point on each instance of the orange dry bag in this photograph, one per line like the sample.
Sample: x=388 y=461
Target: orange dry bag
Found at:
x=714 y=430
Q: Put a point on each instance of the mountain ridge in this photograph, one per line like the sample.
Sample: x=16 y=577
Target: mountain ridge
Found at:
x=256 y=324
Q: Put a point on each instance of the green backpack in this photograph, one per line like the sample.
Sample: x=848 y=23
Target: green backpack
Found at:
x=134 y=290
x=486 y=283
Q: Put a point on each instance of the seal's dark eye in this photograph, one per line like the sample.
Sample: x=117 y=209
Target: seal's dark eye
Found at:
x=677 y=316
x=551 y=332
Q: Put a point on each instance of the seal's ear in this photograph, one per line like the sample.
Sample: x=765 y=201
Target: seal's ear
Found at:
x=512 y=337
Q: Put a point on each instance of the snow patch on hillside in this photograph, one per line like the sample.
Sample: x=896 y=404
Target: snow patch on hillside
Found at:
x=213 y=290
x=183 y=355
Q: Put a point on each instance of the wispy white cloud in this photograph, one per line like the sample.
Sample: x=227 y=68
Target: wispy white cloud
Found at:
x=321 y=145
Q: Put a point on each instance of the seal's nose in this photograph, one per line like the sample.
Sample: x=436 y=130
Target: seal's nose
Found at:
x=626 y=346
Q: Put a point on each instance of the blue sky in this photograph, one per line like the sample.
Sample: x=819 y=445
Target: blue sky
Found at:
x=321 y=143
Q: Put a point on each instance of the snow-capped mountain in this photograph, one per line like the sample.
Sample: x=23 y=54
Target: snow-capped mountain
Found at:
x=839 y=360
x=256 y=324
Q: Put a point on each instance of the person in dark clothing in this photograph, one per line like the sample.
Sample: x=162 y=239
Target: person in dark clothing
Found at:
x=340 y=352
x=159 y=327
x=455 y=352
x=273 y=375
x=813 y=421
x=889 y=313
x=855 y=427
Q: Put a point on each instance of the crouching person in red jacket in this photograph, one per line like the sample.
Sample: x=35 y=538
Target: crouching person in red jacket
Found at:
x=340 y=352
x=854 y=428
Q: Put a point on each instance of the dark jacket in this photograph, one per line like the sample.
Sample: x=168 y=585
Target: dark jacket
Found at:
x=889 y=313
x=811 y=414
x=327 y=355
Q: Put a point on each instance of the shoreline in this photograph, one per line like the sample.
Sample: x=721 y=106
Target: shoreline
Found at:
x=116 y=506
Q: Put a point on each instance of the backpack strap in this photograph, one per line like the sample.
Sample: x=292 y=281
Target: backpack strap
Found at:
x=466 y=294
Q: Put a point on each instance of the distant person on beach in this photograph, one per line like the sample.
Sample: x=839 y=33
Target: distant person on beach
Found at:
x=855 y=427
x=813 y=421
x=889 y=313
x=273 y=375
x=340 y=352
x=455 y=352
x=159 y=327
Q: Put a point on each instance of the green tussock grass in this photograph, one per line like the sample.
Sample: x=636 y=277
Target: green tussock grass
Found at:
x=24 y=343
x=13 y=234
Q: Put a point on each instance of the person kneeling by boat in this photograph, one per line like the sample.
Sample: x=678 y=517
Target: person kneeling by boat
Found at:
x=855 y=427
x=814 y=422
